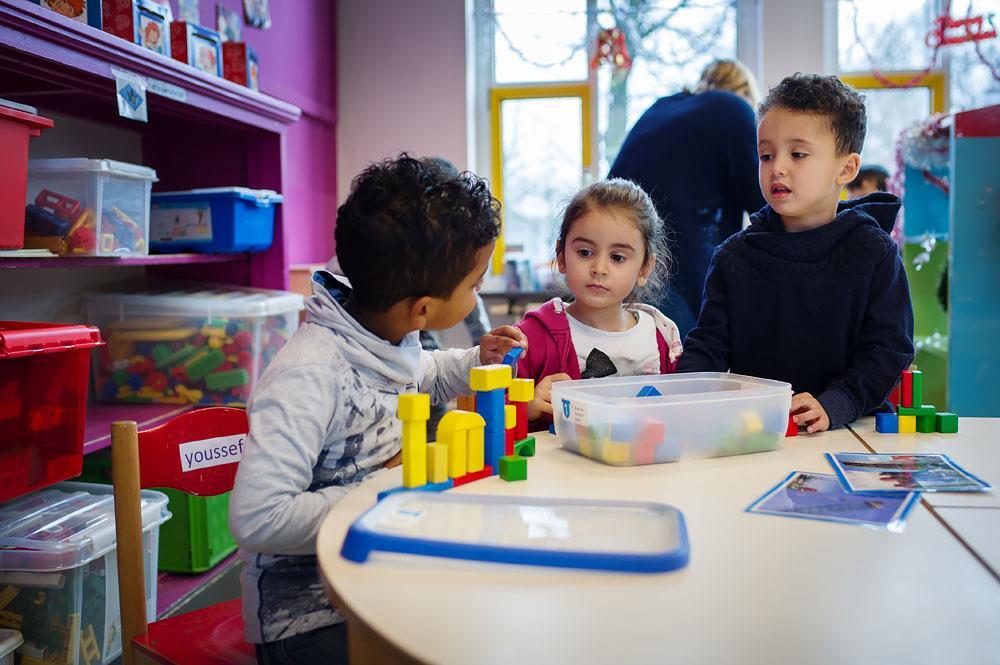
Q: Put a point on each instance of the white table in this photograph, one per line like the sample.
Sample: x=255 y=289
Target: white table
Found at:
x=758 y=589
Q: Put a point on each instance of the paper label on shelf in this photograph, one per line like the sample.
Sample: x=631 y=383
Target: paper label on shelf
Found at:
x=211 y=452
x=180 y=222
x=131 y=94
x=574 y=412
x=164 y=89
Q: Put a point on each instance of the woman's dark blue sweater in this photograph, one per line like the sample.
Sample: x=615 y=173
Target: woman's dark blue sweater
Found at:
x=827 y=310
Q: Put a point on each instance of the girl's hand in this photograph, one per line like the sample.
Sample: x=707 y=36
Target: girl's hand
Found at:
x=543 y=396
x=806 y=410
x=495 y=344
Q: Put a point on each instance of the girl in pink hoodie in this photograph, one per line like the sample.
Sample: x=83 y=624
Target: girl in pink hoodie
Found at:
x=612 y=251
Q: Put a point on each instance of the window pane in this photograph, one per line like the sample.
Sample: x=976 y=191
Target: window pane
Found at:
x=890 y=111
x=540 y=41
x=670 y=43
x=972 y=83
x=542 y=169
x=893 y=32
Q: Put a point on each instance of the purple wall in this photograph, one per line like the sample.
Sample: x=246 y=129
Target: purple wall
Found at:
x=297 y=64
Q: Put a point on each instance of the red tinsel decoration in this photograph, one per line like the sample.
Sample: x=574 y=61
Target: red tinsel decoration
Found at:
x=611 y=48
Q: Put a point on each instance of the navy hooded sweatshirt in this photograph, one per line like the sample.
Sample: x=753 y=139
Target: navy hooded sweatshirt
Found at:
x=827 y=310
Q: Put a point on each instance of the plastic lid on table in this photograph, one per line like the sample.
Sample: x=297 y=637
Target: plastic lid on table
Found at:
x=66 y=526
x=23 y=338
x=84 y=165
x=195 y=300
x=260 y=196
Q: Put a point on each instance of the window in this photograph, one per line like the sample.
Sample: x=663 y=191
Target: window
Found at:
x=547 y=122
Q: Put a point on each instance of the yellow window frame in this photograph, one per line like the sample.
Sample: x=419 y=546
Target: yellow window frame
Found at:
x=936 y=81
x=498 y=95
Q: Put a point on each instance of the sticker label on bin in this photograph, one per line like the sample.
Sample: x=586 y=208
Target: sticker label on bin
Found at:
x=183 y=222
x=211 y=452
x=574 y=412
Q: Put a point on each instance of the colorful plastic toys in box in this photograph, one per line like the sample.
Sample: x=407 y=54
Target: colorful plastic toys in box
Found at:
x=188 y=345
x=912 y=415
x=58 y=578
x=88 y=207
x=197 y=46
x=240 y=64
x=622 y=421
x=18 y=123
x=141 y=22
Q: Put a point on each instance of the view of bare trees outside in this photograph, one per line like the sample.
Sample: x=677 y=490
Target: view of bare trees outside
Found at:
x=894 y=34
x=670 y=42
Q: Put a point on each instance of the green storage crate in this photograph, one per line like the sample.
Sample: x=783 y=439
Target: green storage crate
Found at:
x=195 y=539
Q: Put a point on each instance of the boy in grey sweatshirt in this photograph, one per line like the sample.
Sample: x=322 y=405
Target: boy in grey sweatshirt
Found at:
x=415 y=242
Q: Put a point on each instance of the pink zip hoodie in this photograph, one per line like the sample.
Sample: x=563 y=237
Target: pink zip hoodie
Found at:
x=551 y=350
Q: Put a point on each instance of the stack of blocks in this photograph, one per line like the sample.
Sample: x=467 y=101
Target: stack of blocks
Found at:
x=470 y=445
x=912 y=415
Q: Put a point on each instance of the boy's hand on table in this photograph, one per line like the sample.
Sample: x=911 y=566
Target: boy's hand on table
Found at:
x=806 y=410
x=495 y=344
x=395 y=460
x=543 y=396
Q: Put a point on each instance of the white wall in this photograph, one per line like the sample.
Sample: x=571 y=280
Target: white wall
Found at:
x=401 y=83
x=793 y=39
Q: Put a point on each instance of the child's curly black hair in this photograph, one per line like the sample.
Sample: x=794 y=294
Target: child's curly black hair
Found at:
x=410 y=228
x=826 y=96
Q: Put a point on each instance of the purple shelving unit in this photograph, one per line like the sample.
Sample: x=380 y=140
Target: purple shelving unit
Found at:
x=11 y=262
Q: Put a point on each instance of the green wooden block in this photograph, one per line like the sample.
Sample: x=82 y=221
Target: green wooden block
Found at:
x=922 y=410
x=513 y=467
x=918 y=389
x=173 y=357
x=204 y=362
x=525 y=447
x=946 y=423
x=228 y=379
x=925 y=423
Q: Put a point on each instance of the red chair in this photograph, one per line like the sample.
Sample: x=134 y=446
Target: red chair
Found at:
x=196 y=452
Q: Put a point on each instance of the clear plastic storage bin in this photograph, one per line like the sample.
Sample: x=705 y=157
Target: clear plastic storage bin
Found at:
x=188 y=345
x=704 y=414
x=88 y=206
x=59 y=572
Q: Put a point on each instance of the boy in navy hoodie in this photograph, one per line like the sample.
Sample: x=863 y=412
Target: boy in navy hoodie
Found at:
x=813 y=292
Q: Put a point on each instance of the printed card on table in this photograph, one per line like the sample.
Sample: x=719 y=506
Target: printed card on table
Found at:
x=818 y=496
x=892 y=472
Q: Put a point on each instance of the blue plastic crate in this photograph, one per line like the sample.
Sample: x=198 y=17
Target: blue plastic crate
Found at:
x=220 y=220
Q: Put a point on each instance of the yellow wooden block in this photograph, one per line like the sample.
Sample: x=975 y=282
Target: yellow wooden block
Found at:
x=454 y=421
x=583 y=441
x=458 y=449
x=414 y=406
x=752 y=422
x=490 y=377
x=476 y=450
x=615 y=452
x=414 y=453
x=907 y=424
x=173 y=335
x=509 y=416
x=521 y=390
x=437 y=463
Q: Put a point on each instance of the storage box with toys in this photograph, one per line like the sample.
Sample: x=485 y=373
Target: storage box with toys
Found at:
x=88 y=206
x=188 y=344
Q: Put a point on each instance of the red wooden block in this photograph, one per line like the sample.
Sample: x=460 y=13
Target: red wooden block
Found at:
x=485 y=472
x=906 y=398
x=521 y=428
x=793 y=427
x=508 y=442
x=650 y=435
x=894 y=396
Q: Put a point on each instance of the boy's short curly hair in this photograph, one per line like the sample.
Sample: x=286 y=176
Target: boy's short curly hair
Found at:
x=410 y=228
x=826 y=96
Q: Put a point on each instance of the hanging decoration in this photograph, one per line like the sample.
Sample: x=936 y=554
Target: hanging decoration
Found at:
x=945 y=31
x=611 y=48
x=923 y=146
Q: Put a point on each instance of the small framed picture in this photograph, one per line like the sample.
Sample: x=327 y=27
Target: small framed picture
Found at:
x=187 y=10
x=258 y=13
x=205 y=54
x=229 y=23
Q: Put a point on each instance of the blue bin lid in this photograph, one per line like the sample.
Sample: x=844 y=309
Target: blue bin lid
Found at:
x=261 y=197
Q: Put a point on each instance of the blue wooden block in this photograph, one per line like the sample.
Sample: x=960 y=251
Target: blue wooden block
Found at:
x=513 y=355
x=552 y=428
x=489 y=404
x=494 y=449
x=887 y=423
x=649 y=391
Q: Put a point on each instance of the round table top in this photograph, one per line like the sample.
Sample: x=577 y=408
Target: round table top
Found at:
x=758 y=588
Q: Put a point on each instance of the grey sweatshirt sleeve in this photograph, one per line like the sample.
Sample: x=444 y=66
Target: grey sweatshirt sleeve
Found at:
x=445 y=374
x=271 y=509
